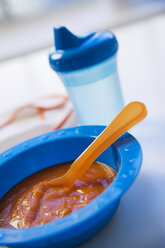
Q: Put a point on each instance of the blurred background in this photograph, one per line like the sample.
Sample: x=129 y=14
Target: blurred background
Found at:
x=26 y=37
x=25 y=25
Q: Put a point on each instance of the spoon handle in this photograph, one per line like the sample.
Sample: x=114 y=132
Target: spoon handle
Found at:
x=132 y=114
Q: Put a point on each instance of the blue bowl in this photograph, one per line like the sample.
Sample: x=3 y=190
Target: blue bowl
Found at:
x=124 y=156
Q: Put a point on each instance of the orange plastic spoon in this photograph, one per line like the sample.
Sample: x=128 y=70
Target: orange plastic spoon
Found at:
x=131 y=115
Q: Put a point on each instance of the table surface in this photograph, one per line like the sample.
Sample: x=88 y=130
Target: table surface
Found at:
x=140 y=219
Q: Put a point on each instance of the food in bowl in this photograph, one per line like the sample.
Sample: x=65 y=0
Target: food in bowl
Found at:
x=34 y=201
x=29 y=157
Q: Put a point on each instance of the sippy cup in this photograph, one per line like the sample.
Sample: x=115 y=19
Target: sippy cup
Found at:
x=88 y=69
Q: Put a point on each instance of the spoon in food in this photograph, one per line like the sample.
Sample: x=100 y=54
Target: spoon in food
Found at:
x=129 y=116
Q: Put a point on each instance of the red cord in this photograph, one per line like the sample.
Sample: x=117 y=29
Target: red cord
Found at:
x=41 y=110
x=64 y=120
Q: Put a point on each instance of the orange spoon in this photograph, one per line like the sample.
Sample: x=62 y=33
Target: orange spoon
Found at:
x=131 y=115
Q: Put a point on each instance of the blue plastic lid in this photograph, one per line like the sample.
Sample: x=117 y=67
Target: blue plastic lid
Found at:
x=73 y=52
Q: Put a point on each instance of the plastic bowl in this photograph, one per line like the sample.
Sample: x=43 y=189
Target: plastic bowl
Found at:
x=124 y=156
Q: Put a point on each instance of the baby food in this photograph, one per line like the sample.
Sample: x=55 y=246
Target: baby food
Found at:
x=34 y=201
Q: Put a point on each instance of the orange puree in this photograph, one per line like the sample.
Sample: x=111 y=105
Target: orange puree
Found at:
x=34 y=202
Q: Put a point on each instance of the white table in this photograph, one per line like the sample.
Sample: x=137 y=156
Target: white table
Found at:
x=140 y=219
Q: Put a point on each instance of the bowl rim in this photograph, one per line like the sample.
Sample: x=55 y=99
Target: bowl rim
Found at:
x=130 y=166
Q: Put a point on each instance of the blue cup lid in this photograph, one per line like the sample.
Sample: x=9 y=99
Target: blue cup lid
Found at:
x=74 y=52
